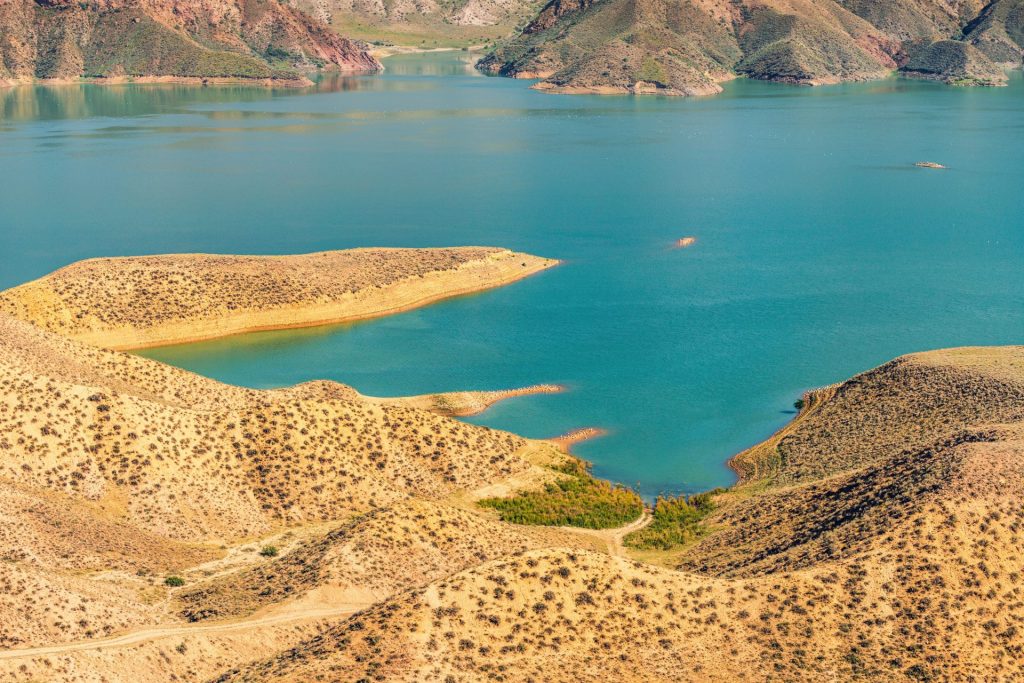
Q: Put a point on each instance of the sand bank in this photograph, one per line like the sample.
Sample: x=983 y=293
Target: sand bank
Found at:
x=464 y=403
x=569 y=439
x=146 y=301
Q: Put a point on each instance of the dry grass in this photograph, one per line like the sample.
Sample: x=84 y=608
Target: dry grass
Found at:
x=878 y=537
x=896 y=559
x=151 y=300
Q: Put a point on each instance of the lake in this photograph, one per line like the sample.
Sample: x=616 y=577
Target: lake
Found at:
x=821 y=250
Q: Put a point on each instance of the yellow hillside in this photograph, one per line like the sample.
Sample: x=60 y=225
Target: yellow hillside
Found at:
x=156 y=525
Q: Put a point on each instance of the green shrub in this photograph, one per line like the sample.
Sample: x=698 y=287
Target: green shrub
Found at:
x=578 y=499
x=269 y=551
x=274 y=52
x=652 y=72
x=676 y=521
x=174 y=581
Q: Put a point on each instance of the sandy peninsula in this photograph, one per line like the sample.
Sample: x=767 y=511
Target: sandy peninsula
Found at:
x=146 y=301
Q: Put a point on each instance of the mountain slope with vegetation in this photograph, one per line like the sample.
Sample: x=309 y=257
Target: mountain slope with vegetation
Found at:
x=424 y=23
x=674 y=47
x=196 y=39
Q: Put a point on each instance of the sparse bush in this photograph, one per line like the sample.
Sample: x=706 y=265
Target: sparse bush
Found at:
x=576 y=500
x=269 y=551
x=174 y=581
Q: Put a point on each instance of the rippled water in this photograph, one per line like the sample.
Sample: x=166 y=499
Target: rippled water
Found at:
x=821 y=250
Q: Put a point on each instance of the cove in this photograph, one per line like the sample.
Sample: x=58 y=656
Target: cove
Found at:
x=821 y=250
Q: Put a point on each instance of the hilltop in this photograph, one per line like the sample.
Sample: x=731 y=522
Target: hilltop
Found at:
x=193 y=41
x=689 y=48
x=159 y=525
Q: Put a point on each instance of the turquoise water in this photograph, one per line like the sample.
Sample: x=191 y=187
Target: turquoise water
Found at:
x=821 y=250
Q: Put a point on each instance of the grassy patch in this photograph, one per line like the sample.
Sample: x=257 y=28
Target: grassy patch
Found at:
x=578 y=499
x=676 y=522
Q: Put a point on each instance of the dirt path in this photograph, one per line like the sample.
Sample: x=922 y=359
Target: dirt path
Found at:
x=157 y=633
x=613 y=537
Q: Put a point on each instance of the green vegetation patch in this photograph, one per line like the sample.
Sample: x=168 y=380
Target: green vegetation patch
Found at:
x=676 y=522
x=577 y=499
x=652 y=72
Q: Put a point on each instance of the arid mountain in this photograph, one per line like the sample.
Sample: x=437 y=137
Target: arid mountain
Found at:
x=194 y=39
x=424 y=23
x=998 y=31
x=158 y=525
x=689 y=48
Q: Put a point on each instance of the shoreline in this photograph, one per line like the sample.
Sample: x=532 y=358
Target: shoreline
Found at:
x=326 y=322
x=464 y=403
x=566 y=441
x=749 y=465
x=301 y=81
x=201 y=81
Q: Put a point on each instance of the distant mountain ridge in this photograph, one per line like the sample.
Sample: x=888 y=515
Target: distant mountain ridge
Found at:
x=683 y=47
x=190 y=39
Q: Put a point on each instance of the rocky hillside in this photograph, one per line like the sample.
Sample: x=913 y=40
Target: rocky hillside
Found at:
x=195 y=39
x=688 y=48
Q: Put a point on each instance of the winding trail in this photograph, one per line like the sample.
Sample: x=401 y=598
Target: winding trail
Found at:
x=146 y=635
x=613 y=537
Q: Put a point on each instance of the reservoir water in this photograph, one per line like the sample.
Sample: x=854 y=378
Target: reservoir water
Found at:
x=821 y=250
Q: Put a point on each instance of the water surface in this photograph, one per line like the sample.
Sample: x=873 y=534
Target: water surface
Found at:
x=821 y=250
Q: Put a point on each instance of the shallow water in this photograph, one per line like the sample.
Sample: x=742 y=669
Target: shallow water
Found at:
x=821 y=250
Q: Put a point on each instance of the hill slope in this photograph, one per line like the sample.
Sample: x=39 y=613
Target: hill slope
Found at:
x=894 y=558
x=198 y=39
x=688 y=48
x=118 y=470
x=424 y=23
x=322 y=535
